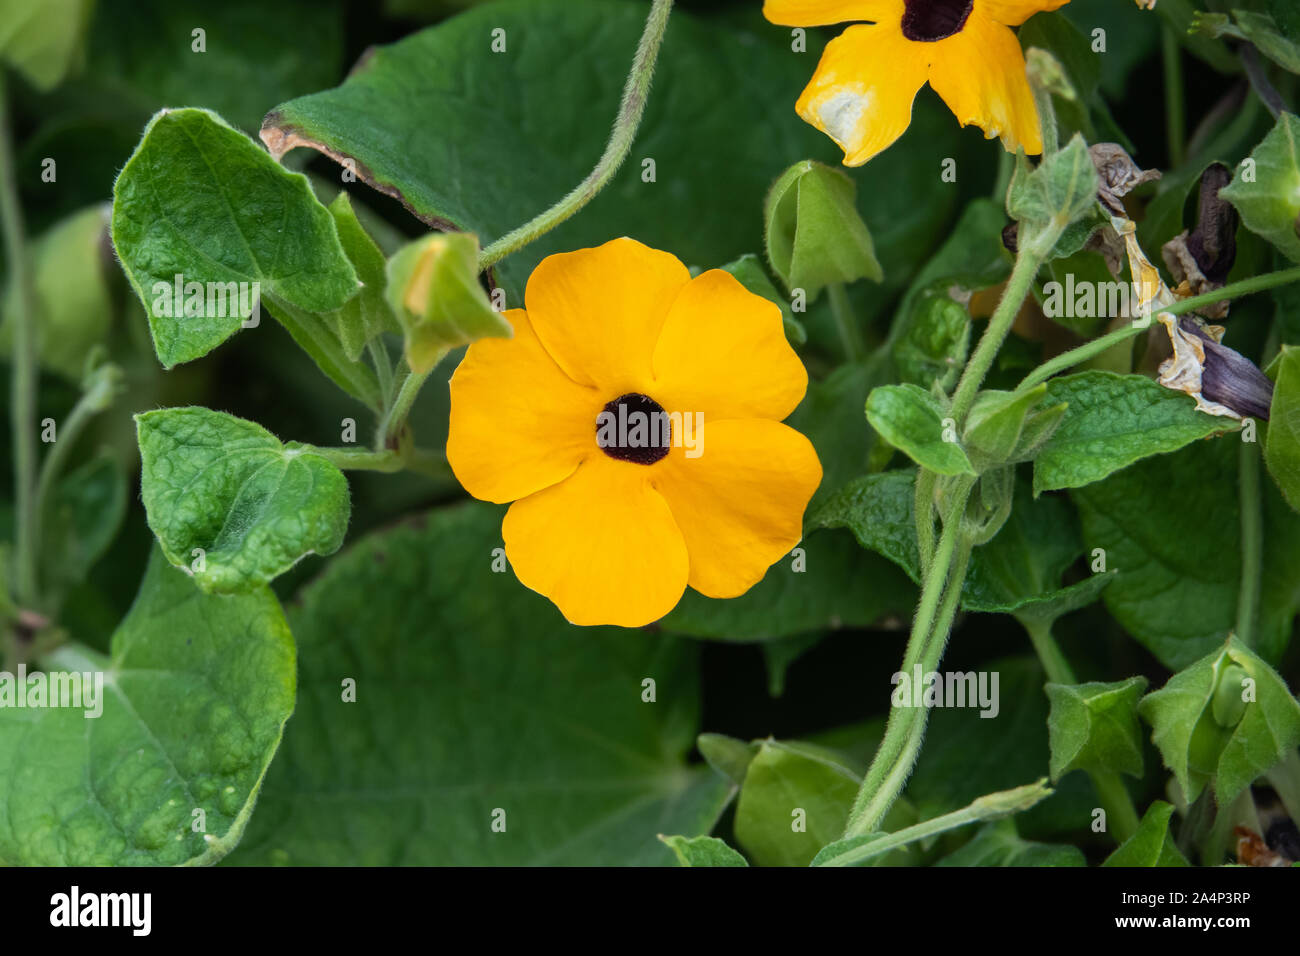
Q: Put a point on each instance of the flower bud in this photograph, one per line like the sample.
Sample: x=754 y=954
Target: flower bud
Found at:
x=815 y=236
x=434 y=290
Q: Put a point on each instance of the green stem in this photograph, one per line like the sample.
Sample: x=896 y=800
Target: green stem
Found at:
x=923 y=509
x=1086 y=351
x=394 y=420
x=23 y=377
x=989 y=807
x=1121 y=814
x=626 y=123
x=1049 y=652
x=1252 y=542
x=842 y=310
x=429 y=463
x=1259 y=82
x=901 y=744
x=383 y=363
x=1175 y=114
x=355 y=459
x=88 y=406
x=1004 y=316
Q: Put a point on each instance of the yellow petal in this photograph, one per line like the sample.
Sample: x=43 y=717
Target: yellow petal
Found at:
x=861 y=95
x=816 y=13
x=739 y=504
x=602 y=545
x=598 y=311
x=980 y=73
x=518 y=424
x=723 y=352
x=1015 y=12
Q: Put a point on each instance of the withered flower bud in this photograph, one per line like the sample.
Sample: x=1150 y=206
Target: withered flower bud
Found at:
x=1119 y=175
x=1229 y=378
x=1200 y=260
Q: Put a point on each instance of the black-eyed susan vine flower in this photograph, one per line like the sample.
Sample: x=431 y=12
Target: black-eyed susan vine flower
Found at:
x=862 y=91
x=634 y=420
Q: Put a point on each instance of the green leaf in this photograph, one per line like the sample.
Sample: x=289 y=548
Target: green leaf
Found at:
x=401 y=117
x=1170 y=529
x=42 y=39
x=815 y=236
x=1282 y=445
x=795 y=800
x=232 y=505
x=472 y=695
x=434 y=290
x=1263 y=31
x=201 y=200
x=914 y=420
x=748 y=269
x=1153 y=844
x=1112 y=421
x=702 y=851
x=1019 y=571
x=1061 y=189
x=828 y=582
x=1094 y=726
x=931 y=343
x=74 y=306
x=998 y=844
x=365 y=315
x=195 y=695
x=996 y=422
x=1266 y=188
x=1193 y=742
x=253 y=56
x=727 y=755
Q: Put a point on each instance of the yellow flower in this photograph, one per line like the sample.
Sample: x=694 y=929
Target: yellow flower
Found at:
x=611 y=522
x=861 y=94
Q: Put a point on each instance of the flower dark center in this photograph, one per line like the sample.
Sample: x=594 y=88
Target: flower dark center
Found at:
x=925 y=21
x=635 y=428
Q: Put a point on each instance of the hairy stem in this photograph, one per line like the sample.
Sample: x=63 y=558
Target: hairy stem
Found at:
x=989 y=807
x=394 y=419
x=1026 y=267
x=383 y=363
x=635 y=92
x=901 y=744
x=355 y=459
x=923 y=508
x=23 y=374
x=1086 y=351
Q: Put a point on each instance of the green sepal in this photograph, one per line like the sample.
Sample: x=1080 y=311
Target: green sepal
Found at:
x=434 y=290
